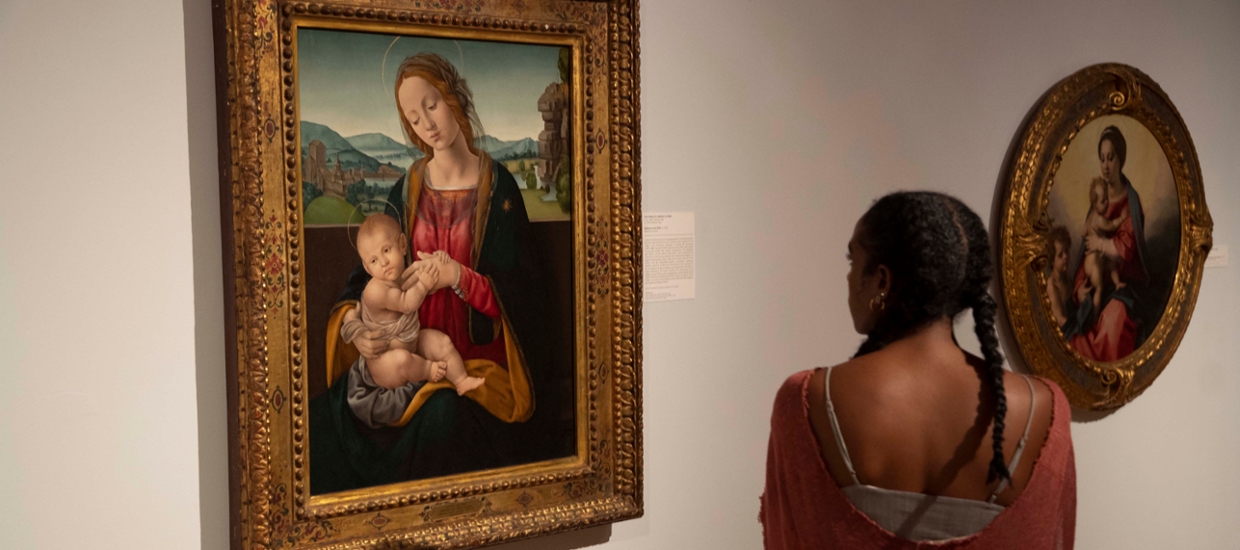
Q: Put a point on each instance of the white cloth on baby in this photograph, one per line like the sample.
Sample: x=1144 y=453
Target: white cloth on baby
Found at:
x=404 y=328
x=372 y=404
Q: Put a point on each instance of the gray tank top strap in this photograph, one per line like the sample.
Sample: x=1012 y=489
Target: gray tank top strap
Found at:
x=835 y=427
x=839 y=437
x=1020 y=447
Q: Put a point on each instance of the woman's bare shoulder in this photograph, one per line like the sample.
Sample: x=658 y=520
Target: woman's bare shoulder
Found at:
x=862 y=382
x=1017 y=392
x=1043 y=399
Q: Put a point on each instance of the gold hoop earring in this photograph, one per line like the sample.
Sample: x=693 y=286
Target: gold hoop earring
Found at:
x=878 y=303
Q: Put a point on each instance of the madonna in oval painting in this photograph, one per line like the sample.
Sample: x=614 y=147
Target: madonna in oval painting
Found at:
x=436 y=194
x=1115 y=241
x=1104 y=234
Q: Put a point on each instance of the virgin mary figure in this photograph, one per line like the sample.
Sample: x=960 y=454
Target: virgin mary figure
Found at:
x=463 y=209
x=1113 y=330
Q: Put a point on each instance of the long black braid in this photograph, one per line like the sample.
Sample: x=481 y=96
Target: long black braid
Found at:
x=938 y=253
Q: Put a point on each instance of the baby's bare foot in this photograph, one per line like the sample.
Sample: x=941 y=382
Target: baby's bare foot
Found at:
x=438 y=369
x=469 y=383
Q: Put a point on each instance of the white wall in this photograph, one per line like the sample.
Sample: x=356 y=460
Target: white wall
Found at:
x=776 y=122
x=100 y=287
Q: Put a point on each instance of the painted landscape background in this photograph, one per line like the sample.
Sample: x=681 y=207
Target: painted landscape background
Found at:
x=353 y=148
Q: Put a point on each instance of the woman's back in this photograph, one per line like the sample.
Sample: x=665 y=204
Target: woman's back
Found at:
x=915 y=416
x=803 y=507
x=928 y=437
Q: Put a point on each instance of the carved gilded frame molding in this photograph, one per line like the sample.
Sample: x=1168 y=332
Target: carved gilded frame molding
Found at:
x=1025 y=225
x=271 y=503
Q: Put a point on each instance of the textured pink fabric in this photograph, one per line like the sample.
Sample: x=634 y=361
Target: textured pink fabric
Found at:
x=803 y=506
x=444 y=223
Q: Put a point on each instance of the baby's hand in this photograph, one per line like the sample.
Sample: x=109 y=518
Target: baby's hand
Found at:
x=369 y=345
x=439 y=257
x=449 y=269
x=428 y=275
x=409 y=276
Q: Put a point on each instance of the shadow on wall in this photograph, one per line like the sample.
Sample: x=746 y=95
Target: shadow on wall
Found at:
x=571 y=540
x=210 y=346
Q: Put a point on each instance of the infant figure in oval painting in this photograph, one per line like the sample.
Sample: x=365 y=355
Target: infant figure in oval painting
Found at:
x=1099 y=266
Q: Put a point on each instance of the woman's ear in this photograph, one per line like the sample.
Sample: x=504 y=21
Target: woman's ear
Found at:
x=883 y=279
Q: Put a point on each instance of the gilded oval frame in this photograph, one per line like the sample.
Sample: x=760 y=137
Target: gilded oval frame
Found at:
x=1025 y=226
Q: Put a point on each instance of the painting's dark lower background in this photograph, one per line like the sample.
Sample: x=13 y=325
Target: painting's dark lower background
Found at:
x=330 y=257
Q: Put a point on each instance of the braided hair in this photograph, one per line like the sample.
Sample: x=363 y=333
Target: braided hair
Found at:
x=938 y=253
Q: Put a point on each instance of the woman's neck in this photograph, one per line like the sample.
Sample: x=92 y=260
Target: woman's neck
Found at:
x=455 y=167
x=934 y=339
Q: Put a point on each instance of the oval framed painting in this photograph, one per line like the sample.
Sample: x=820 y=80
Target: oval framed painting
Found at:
x=1103 y=234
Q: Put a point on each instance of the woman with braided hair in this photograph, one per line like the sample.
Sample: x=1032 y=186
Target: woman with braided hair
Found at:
x=915 y=440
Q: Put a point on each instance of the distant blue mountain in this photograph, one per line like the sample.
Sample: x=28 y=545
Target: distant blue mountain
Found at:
x=311 y=131
x=489 y=143
x=385 y=149
x=372 y=149
x=376 y=142
x=338 y=148
x=524 y=148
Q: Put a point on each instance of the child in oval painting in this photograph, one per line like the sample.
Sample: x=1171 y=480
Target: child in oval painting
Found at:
x=1099 y=267
x=1058 y=286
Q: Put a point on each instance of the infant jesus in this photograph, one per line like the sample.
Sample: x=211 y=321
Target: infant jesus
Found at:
x=391 y=314
x=1097 y=265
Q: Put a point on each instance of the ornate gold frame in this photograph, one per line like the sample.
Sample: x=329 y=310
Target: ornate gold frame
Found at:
x=1024 y=227
x=271 y=503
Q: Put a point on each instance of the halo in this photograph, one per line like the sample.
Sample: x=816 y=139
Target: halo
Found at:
x=383 y=65
x=357 y=213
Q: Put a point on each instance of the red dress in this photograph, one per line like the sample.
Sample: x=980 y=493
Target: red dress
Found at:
x=444 y=222
x=803 y=506
x=1114 y=335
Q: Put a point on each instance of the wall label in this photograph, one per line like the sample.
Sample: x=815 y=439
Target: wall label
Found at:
x=668 y=268
x=1217 y=257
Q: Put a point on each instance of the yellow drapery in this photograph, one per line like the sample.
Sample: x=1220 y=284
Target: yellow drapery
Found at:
x=505 y=393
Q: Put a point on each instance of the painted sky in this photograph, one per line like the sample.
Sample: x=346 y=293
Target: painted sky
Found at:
x=346 y=83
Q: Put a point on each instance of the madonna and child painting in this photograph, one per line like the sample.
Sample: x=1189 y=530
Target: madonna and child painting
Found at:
x=436 y=195
x=1115 y=239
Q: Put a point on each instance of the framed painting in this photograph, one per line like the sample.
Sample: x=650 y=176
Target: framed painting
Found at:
x=1103 y=234
x=431 y=217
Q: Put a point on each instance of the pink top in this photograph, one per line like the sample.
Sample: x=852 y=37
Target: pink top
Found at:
x=444 y=222
x=804 y=507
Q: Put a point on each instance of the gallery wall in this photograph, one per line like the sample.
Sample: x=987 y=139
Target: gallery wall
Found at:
x=110 y=295
x=776 y=122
